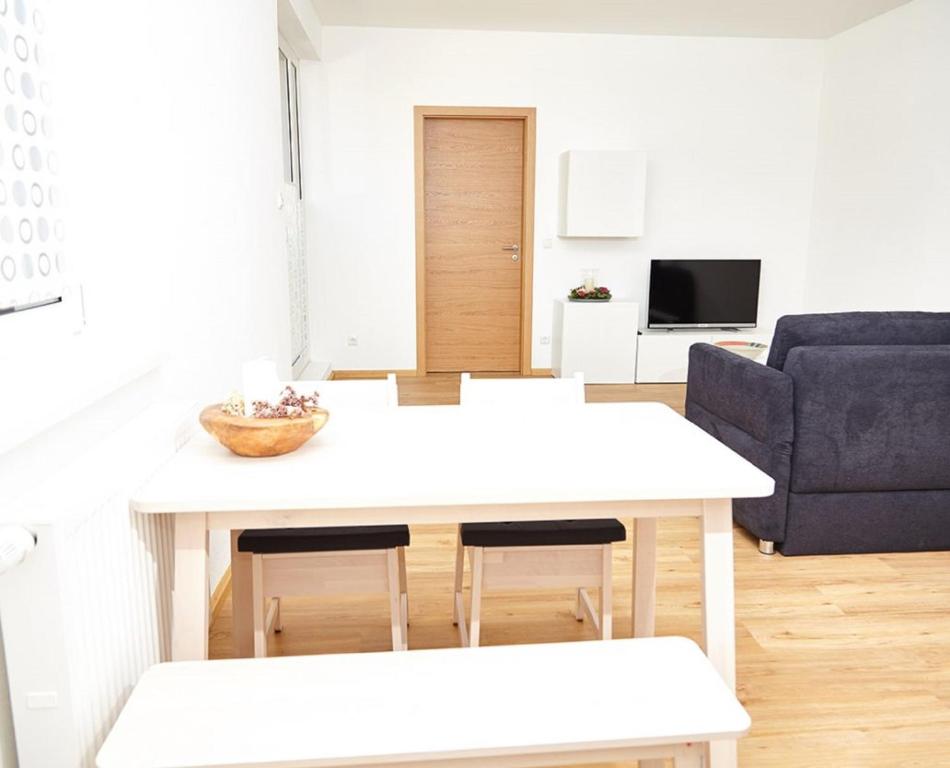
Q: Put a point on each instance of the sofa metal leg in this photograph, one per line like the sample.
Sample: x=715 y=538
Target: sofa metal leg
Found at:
x=766 y=547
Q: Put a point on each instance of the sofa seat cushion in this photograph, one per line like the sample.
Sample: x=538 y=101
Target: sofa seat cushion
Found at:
x=541 y=533
x=271 y=541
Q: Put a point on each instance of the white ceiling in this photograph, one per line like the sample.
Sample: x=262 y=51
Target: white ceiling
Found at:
x=723 y=18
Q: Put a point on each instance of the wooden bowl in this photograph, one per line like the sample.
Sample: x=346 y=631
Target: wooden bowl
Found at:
x=261 y=437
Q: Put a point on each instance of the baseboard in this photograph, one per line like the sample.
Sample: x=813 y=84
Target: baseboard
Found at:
x=221 y=592
x=382 y=374
x=316 y=370
x=369 y=374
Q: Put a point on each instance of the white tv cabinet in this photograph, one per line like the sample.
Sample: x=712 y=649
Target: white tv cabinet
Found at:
x=663 y=356
x=598 y=339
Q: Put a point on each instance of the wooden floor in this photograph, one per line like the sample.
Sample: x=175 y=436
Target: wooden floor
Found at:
x=842 y=661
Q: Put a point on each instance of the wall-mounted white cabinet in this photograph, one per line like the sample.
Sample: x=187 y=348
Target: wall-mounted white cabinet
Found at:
x=602 y=193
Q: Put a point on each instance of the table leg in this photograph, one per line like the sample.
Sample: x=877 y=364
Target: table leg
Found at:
x=644 y=576
x=190 y=596
x=644 y=590
x=719 y=609
x=242 y=604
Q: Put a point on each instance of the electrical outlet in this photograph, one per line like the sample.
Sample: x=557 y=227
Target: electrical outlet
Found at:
x=352 y=341
x=545 y=339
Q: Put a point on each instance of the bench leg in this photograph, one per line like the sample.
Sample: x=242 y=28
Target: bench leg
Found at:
x=457 y=615
x=257 y=596
x=395 y=599
x=475 y=625
x=606 y=593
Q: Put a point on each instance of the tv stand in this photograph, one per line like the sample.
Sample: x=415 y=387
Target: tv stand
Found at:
x=663 y=357
x=596 y=338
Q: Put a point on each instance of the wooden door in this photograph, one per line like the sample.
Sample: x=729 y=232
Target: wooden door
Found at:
x=473 y=213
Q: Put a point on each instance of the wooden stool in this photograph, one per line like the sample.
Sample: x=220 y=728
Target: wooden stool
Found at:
x=544 y=554
x=326 y=561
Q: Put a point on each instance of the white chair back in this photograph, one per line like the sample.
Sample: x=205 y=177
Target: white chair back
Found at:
x=534 y=393
x=365 y=394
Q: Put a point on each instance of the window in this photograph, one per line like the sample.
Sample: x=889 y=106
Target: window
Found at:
x=290 y=122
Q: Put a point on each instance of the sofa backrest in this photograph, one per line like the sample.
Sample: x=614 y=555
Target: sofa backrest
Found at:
x=871 y=418
x=857 y=328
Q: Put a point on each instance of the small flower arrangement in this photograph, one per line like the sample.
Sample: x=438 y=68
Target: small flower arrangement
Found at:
x=289 y=406
x=597 y=293
x=234 y=405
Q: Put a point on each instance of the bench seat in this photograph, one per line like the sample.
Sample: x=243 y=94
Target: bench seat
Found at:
x=520 y=705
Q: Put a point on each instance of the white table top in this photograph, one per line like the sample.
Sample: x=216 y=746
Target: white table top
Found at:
x=315 y=710
x=434 y=456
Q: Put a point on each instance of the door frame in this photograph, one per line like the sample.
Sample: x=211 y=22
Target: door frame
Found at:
x=527 y=115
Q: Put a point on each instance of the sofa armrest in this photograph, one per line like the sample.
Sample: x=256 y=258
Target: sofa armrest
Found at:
x=750 y=396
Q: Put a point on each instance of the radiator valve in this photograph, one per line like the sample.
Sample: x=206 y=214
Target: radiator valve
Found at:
x=16 y=542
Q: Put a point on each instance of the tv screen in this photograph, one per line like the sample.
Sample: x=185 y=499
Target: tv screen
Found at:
x=714 y=293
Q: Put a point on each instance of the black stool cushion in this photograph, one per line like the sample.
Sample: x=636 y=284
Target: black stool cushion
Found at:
x=272 y=541
x=541 y=533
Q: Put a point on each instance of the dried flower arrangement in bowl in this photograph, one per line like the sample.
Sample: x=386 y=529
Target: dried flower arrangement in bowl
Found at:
x=273 y=430
x=593 y=293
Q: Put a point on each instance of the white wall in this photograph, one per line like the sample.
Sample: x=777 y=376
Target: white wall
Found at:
x=170 y=137
x=881 y=224
x=197 y=161
x=729 y=125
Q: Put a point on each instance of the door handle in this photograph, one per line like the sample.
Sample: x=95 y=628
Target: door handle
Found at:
x=514 y=248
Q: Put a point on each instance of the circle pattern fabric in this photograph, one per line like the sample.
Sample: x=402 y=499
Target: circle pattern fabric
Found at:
x=31 y=225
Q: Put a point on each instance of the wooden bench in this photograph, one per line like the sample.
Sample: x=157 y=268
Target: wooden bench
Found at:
x=527 y=705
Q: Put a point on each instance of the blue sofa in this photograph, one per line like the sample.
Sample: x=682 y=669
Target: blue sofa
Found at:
x=851 y=417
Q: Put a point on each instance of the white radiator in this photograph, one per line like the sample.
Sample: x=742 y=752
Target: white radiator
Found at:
x=90 y=609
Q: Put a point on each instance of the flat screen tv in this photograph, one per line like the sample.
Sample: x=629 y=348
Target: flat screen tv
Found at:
x=696 y=293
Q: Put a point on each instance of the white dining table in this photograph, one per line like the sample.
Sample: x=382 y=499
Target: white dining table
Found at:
x=445 y=464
